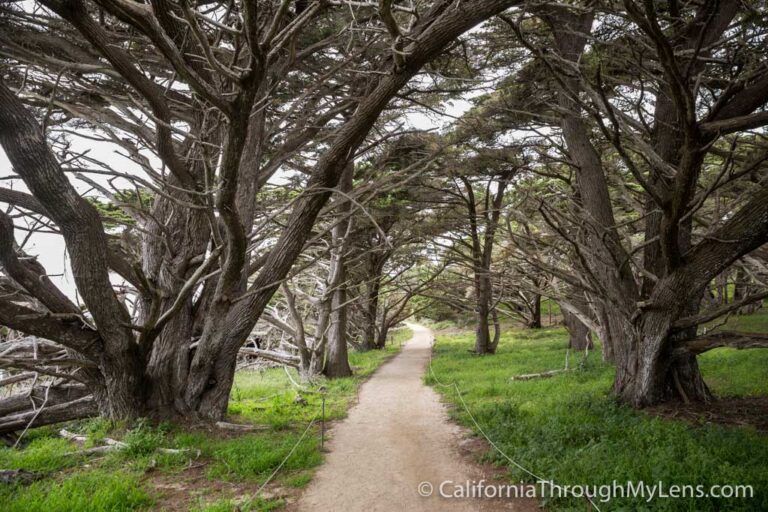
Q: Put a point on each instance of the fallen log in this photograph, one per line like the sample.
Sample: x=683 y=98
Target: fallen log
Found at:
x=56 y=395
x=19 y=377
x=91 y=451
x=17 y=476
x=113 y=444
x=238 y=427
x=542 y=375
x=66 y=434
x=31 y=346
x=84 y=407
x=277 y=357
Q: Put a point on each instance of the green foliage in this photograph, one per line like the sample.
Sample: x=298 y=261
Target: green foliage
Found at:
x=734 y=372
x=255 y=457
x=81 y=491
x=268 y=397
x=96 y=429
x=568 y=429
x=43 y=454
x=144 y=439
x=113 y=214
x=299 y=480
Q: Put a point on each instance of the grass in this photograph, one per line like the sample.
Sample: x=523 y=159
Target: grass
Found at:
x=79 y=492
x=567 y=428
x=241 y=505
x=122 y=480
x=731 y=372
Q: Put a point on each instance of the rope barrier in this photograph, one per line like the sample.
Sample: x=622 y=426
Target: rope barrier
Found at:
x=277 y=469
x=455 y=386
x=320 y=411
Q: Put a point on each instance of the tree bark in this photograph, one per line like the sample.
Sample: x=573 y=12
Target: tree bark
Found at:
x=535 y=322
x=381 y=338
x=337 y=359
x=579 y=335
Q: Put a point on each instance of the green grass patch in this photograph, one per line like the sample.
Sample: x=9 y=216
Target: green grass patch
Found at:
x=41 y=455
x=82 y=491
x=730 y=372
x=269 y=397
x=567 y=428
x=241 y=505
x=255 y=457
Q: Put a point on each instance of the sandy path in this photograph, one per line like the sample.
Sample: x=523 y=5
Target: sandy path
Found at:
x=397 y=436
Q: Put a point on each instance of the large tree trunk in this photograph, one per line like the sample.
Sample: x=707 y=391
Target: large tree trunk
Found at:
x=483 y=341
x=579 y=335
x=648 y=370
x=167 y=258
x=646 y=375
x=371 y=310
x=337 y=359
x=535 y=322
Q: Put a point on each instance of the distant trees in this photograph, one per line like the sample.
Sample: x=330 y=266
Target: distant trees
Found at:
x=472 y=240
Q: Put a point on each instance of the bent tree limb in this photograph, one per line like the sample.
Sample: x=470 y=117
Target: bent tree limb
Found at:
x=707 y=342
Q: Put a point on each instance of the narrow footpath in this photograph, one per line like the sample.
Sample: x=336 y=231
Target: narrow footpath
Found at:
x=396 y=437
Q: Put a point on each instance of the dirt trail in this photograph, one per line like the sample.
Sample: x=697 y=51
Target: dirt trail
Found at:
x=397 y=436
